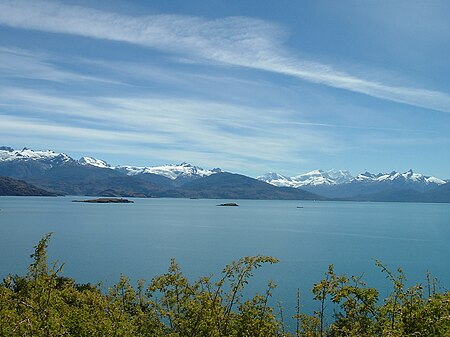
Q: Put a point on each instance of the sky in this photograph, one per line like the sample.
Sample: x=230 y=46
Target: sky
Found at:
x=248 y=86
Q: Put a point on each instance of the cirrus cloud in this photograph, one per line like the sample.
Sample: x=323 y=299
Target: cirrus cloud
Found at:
x=232 y=41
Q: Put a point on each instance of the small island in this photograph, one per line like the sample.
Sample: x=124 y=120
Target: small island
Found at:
x=228 y=204
x=107 y=201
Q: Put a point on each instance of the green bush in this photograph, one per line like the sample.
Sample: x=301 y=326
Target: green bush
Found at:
x=43 y=303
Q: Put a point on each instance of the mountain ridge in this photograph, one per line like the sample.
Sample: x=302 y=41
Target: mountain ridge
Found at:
x=337 y=177
x=60 y=173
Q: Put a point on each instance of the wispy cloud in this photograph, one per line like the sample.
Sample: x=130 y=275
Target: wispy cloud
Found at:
x=42 y=128
x=236 y=41
x=356 y=127
x=181 y=129
x=21 y=63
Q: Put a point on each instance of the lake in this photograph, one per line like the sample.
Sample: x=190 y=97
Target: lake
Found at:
x=99 y=241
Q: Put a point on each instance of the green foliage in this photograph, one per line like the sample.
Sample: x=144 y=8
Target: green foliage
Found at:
x=405 y=312
x=44 y=303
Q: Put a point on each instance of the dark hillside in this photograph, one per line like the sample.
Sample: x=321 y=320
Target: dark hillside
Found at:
x=10 y=186
x=440 y=194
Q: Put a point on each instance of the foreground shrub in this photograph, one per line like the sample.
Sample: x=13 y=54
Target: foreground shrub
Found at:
x=43 y=303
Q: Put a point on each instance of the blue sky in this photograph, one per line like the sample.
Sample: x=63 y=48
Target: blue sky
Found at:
x=248 y=86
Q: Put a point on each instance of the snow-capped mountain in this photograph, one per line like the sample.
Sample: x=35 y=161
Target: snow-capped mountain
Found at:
x=9 y=154
x=276 y=180
x=339 y=177
x=93 y=162
x=61 y=173
x=365 y=177
x=408 y=177
x=183 y=170
x=46 y=160
x=365 y=186
x=312 y=178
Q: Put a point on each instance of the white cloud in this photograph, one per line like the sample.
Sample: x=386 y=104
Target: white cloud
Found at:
x=197 y=128
x=20 y=63
x=41 y=128
x=237 y=41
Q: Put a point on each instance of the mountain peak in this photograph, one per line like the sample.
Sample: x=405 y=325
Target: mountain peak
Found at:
x=311 y=178
x=340 y=177
x=90 y=161
x=171 y=171
x=9 y=154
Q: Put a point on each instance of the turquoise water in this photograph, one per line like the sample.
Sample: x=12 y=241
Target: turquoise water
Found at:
x=99 y=241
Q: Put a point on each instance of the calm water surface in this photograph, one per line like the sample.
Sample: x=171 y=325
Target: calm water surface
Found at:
x=99 y=241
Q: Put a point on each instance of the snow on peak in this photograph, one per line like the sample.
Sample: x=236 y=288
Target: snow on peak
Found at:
x=337 y=177
x=340 y=176
x=312 y=178
x=407 y=177
x=434 y=180
x=170 y=171
x=276 y=179
x=9 y=154
x=93 y=162
x=366 y=176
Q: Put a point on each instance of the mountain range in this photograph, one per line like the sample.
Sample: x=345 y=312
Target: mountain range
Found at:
x=364 y=186
x=59 y=173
